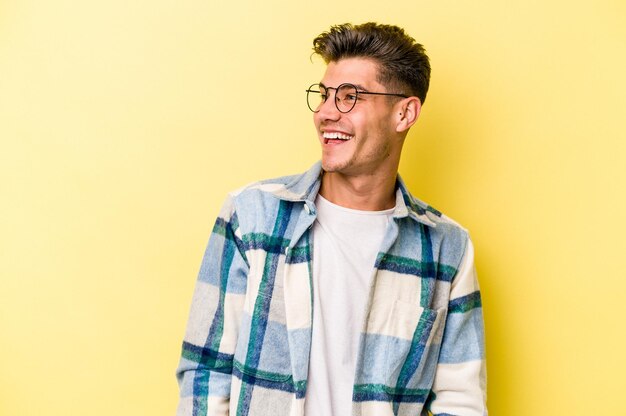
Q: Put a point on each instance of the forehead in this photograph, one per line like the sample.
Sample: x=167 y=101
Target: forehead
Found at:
x=362 y=72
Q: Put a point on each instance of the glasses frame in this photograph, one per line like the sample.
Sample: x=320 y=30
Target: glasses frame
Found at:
x=318 y=85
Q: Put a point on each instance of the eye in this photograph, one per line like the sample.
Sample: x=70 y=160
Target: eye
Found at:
x=350 y=98
x=323 y=96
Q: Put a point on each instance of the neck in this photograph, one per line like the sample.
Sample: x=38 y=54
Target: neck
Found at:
x=367 y=193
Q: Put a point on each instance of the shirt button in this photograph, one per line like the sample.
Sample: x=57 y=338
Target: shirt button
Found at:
x=307 y=209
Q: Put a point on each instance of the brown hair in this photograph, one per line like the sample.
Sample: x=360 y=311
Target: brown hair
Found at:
x=402 y=62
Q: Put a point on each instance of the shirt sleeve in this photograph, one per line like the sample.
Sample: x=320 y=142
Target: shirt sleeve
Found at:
x=460 y=381
x=205 y=368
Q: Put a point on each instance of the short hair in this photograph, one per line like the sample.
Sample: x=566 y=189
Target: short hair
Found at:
x=402 y=62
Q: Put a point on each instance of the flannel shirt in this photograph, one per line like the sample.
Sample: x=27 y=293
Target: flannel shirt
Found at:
x=248 y=338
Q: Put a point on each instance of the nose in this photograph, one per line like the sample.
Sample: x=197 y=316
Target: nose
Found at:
x=328 y=109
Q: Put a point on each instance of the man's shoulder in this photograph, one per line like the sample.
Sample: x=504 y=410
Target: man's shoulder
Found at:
x=439 y=231
x=438 y=217
x=257 y=206
x=294 y=187
x=428 y=214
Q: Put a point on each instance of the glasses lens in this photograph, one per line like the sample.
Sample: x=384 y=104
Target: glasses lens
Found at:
x=346 y=97
x=315 y=97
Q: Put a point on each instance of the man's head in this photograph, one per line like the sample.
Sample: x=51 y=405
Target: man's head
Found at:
x=402 y=63
x=362 y=128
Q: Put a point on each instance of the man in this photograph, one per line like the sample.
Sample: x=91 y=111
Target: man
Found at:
x=336 y=292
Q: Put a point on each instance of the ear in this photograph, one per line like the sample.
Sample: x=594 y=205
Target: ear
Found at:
x=407 y=112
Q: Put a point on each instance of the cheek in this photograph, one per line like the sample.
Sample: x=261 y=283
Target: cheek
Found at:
x=360 y=125
x=383 y=126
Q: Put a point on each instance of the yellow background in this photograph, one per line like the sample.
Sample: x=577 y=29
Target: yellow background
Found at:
x=124 y=123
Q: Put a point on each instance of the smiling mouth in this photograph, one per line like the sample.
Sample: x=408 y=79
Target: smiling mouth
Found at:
x=335 y=137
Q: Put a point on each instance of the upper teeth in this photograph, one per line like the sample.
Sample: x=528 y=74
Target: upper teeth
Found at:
x=334 y=135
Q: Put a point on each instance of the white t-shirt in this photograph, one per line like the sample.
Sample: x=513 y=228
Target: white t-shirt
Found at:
x=345 y=245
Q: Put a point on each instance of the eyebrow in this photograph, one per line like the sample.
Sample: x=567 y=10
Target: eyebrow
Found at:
x=359 y=87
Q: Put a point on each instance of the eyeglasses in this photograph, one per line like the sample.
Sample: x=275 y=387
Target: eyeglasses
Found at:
x=346 y=96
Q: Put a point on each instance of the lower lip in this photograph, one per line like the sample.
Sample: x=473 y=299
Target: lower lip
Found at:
x=334 y=141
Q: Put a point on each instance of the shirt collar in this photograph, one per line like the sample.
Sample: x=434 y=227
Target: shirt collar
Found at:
x=305 y=187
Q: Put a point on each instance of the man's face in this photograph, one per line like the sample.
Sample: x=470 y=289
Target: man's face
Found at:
x=363 y=141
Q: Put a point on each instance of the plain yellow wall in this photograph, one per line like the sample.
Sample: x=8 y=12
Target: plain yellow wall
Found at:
x=124 y=123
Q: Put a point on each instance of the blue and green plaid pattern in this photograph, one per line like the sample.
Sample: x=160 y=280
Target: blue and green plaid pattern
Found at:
x=248 y=338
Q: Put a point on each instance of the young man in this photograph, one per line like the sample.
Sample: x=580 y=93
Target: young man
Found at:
x=336 y=292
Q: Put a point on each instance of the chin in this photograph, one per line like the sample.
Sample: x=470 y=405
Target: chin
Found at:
x=335 y=168
x=329 y=166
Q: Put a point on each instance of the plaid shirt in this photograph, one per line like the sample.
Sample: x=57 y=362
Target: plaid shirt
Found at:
x=248 y=339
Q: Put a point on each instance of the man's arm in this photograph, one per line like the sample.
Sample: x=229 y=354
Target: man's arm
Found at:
x=460 y=381
x=204 y=372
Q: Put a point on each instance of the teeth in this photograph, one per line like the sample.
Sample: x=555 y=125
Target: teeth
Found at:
x=334 y=135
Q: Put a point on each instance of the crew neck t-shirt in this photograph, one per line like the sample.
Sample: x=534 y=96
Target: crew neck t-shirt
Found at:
x=345 y=245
